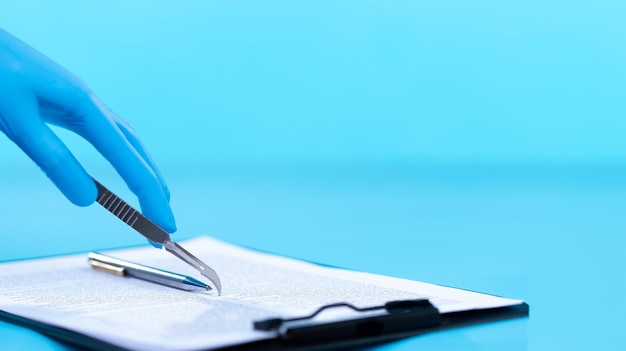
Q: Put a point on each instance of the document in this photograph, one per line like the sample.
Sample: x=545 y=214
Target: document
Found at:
x=136 y=314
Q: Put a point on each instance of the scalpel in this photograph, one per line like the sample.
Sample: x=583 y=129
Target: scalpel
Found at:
x=153 y=232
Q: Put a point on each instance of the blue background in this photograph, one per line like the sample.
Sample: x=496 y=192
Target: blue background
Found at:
x=472 y=144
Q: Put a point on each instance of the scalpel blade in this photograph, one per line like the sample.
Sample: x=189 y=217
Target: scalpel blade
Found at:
x=193 y=261
x=153 y=232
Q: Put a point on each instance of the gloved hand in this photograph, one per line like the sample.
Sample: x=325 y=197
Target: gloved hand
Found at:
x=34 y=91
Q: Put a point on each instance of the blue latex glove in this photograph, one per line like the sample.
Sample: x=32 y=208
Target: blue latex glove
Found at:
x=34 y=91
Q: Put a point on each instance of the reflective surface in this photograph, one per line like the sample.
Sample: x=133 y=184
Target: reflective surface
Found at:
x=550 y=236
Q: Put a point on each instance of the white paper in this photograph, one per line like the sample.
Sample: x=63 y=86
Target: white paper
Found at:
x=135 y=314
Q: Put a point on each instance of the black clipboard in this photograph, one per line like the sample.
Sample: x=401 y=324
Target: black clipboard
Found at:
x=372 y=325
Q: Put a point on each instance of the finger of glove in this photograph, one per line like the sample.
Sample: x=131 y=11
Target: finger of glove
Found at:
x=88 y=117
x=102 y=132
x=133 y=138
x=23 y=125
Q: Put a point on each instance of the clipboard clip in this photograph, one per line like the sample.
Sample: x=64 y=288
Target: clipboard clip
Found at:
x=391 y=318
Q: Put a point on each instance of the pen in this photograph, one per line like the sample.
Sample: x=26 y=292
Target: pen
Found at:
x=124 y=268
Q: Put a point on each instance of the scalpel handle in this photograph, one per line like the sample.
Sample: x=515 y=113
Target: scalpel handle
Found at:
x=130 y=216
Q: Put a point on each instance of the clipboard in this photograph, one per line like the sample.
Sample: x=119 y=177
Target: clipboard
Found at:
x=392 y=321
x=347 y=320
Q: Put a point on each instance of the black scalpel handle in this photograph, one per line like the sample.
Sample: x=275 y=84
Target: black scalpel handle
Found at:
x=127 y=214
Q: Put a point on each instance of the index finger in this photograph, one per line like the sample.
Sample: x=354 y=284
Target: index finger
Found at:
x=101 y=130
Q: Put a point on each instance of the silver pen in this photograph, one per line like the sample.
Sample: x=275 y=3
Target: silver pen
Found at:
x=154 y=233
x=120 y=267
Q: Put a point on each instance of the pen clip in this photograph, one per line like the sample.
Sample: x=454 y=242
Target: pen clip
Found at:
x=106 y=267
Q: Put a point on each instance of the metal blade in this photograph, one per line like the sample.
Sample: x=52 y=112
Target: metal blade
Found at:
x=193 y=261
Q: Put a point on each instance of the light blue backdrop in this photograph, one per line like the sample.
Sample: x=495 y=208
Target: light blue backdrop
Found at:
x=474 y=144
x=285 y=81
